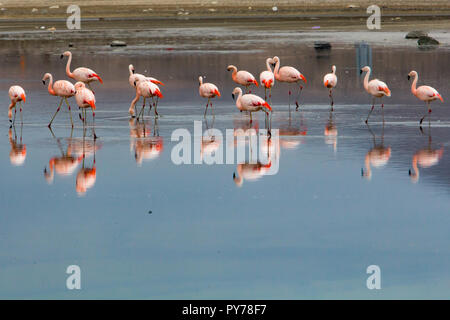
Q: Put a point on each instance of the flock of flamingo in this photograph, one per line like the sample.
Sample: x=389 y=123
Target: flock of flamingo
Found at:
x=147 y=88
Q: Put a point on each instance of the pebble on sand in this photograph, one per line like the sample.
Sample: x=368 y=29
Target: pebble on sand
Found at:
x=416 y=34
x=427 y=41
x=118 y=43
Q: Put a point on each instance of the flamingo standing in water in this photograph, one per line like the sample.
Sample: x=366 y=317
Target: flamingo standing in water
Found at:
x=424 y=93
x=375 y=87
x=289 y=75
x=244 y=78
x=16 y=94
x=85 y=99
x=82 y=74
x=60 y=88
x=267 y=79
x=145 y=89
x=207 y=90
x=250 y=102
x=134 y=77
x=330 y=81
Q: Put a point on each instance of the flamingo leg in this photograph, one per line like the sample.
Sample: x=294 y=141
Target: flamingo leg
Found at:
x=206 y=109
x=289 y=95
x=371 y=109
x=15 y=111
x=212 y=108
x=300 y=88
x=57 y=110
x=427 y=114
x=21 y=117
x=265 y=93
x=156 y=106
x=151 y=105
x=142 y=110
x=70 y=111
x=251 y=117
x=331 y=98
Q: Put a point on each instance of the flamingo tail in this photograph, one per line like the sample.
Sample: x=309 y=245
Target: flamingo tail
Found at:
x=158 y=93
x=157 y=82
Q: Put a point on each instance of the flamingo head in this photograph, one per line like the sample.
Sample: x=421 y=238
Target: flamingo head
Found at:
x=412 y=74
x=131 y=67
x=79 y=85
x=365 y=69
x=275 y=60
x=200 y=80
x=236 y=91
x=46 y=76
x=333 y=69
x=66 y=53
x=231 y=67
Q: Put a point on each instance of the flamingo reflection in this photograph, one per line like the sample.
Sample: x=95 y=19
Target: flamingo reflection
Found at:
x=425 y=158
x=331 y=132
x=291 y=130
x=210 y=143
x=86 y=176
x=18 y=152
x=377 y=157
x=145 y=145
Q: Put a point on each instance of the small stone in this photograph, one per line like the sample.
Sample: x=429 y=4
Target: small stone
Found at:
x=70 y=45
x=118 y=43
x=427 y=41
x=352 y=6
x=322 y=45
x=42 y=28
x=416 y=34
x=54 y=7
x=212 y=10
x=34 y=10
x=274 y=9
x=52 y=29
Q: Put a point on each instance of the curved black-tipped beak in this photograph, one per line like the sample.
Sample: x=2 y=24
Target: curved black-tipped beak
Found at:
x=62 y=56
x=409 y=172
x=360 y=71
x=135 y=83
x=133 y=71
x=409 y=77
x=232 y=95
x=234 y=175
x=43 y=81
x=362 y=172
x=274 y=65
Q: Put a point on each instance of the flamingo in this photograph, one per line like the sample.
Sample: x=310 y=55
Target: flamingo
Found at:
x=137 y=76
x=85 y=99
x=61 y=88
x=289 y=75
x=330 y=81
x=376 y=157
x=424 y=93
x=145 y=146
x=244 y=78
x=375 y=87
x=16 y=94
x=250 y=102
x=145 y=89
x=267 y=79
x=82 y=74
x=207 y=90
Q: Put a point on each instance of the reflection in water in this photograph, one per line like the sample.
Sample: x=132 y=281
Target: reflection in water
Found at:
x=256 y=167
x=18 y=152
x=377 y=157
x=331 y=132
x=210 y=142
x=76 y=152
x=292 y=128
x=425 y=158
x=145 y=145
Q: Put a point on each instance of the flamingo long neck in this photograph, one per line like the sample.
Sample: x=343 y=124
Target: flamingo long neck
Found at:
x=130 y=68
x=238 y=100
x=366 y=80
x=268 y=65
x=233 y=75
x=414 y=84
x=277 y=68
x=50 y=86
x=69 y=61
x=200 y=81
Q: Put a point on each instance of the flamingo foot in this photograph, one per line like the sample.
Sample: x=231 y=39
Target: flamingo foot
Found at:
x=296 y=103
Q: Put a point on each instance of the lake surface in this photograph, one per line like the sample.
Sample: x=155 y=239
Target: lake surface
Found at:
x=337 y=198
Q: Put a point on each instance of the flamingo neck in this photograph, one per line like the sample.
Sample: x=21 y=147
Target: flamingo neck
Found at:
x=268 y=65
x=277 y=68
x=130 y=67
x=414 y=84
x=233 y=75
x=50 y=86
x=69 y=61
x=366 y=80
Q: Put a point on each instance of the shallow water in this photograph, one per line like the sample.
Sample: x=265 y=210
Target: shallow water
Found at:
x=148 y=228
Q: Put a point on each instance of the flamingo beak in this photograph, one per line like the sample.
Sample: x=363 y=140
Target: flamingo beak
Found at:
x=135 y=83
x=43 y=81
x=62 y=56
x=409 y=77
x=360 y=71
x=232 y=95
x=132 y=71
x=303 y=78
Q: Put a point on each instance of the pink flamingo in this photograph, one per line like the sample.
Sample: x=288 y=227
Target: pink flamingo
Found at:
x=330 y=81
x=267 y=79
x=60 y=88
x=82 y=74
x=207 y=90
x=85 y=99
x=424 y=93
x=244 y=78
x=134 y=77
x=18 y=152
x=145 y=89
x=375 y=87
x=289 y=75
x=250 y=102
x=16 y=94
